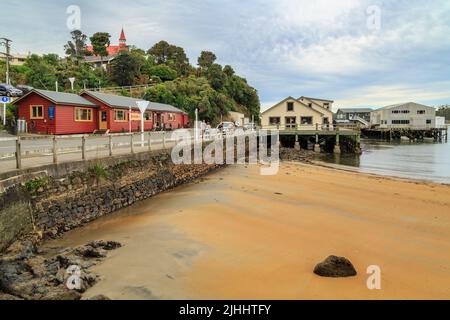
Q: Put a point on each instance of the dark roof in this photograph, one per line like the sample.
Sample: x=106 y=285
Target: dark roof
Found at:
x=60 y=98
x=351 y=110
x=95 y=59
x=309 y=98
x=126 y=102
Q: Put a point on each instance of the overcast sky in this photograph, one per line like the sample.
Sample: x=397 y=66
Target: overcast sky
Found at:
x=357 y=52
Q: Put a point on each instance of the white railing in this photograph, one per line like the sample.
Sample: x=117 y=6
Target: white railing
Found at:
x=306 y=127
x=30 y=151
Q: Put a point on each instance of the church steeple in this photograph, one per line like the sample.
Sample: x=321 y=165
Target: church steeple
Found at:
x=123 y=42
x=122 y=38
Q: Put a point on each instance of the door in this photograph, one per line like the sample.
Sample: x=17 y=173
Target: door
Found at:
x=103 y=120
x=156 y=120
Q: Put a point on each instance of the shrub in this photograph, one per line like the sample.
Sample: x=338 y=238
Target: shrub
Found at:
x=99 y=171
x=33 y=185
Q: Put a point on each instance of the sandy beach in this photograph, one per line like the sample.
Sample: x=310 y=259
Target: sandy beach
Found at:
x=239 y=235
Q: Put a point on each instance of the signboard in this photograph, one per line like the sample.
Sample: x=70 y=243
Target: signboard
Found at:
x=5 y=100
x=51 y=112
x=135 y=116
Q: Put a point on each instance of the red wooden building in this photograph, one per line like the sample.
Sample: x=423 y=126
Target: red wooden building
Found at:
x=49 y=112
x=114 y=113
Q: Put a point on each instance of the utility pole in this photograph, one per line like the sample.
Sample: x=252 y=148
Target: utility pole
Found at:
x=7 y=44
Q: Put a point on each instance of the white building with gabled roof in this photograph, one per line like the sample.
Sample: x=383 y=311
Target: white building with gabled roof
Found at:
x=409 y=115
x=301 y=114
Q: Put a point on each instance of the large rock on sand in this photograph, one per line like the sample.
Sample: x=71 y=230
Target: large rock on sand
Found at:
x=335 y=267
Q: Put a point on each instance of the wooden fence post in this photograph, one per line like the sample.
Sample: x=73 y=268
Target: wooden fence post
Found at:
x=55 y=151
x=110 y=146
x=18 y=154
x=83 y=148
x=132 y=144
x=164 y=140
x=149 y=141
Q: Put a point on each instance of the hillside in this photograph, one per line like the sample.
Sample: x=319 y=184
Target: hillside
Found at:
x=163 y=71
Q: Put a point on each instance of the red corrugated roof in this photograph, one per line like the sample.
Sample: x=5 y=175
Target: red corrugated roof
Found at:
x=112 y=50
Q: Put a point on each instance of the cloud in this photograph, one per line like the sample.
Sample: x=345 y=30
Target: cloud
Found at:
x=383 y=95
x=283 y=47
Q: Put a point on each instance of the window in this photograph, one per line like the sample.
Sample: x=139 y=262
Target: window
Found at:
x=290 y=106
x=421 y=112
x=326 y=105
x=291 y=122
x=148 y=116
x=310 y=105
x=36 y=112
x=306 y=121
x=120 y=115
x=428 y=121
x=273 y=121
x=326 y=121
x=83 y=114
x=400 y=111
x=400 y=121
x=171 y=116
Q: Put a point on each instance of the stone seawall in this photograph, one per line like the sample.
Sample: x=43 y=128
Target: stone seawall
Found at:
x=53 y=204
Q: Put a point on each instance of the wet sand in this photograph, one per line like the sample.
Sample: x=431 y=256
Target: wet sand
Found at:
x=239 y=235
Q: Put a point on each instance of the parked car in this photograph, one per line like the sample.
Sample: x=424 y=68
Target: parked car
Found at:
x=226 y=127
x=24 y=88
x=9 y=91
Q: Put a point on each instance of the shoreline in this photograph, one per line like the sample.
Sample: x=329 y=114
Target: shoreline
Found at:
x=355 y=170
x=175 y=250
x=305 y=164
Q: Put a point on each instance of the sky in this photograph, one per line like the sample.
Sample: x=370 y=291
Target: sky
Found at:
x=360 y=53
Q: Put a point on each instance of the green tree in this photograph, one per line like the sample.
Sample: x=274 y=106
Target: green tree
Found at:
x=76 y=48
x=206 y=59
x=173 y=56
x=125 y=69
x=216 y=76
x=100 y=41
x=163 y=72
x=41 y=71
x=228 y=70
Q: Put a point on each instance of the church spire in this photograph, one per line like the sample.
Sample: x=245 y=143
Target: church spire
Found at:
x=122 y=37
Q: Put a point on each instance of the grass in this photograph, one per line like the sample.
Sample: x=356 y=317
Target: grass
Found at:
x=99 y=171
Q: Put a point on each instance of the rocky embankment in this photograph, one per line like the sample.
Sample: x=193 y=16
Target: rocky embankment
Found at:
x=30 y=273
x=290 y=154
x=51 y=206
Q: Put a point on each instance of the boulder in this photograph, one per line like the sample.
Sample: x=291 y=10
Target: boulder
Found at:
x=90 y=252
x=335 y=267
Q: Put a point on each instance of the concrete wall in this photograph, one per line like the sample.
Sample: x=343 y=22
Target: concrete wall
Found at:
x=15 y=216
